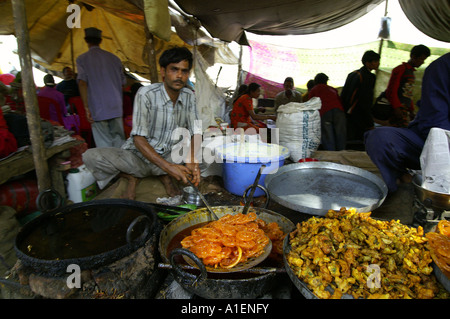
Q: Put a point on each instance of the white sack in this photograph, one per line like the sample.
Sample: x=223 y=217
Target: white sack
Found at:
x=435 y=161
x=299 y=127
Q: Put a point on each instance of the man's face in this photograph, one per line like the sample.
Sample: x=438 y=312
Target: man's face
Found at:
x=68 y=73
x=288 y=86
x=373 y=65
x=175 y=75
x=418 y=61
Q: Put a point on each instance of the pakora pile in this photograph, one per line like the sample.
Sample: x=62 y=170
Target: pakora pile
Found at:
x=351 y=253
x=233 y=239
x=439 y=246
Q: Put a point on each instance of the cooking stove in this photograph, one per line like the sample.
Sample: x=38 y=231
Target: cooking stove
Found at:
x=426 y=215
x=283 y=289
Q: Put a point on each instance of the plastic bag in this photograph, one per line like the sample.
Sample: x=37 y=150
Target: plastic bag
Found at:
x=299 y=127
x=435 y=161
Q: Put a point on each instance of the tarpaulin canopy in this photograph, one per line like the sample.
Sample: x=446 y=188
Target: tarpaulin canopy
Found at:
x=430 y=17
x=227 y=20
x=54 y=44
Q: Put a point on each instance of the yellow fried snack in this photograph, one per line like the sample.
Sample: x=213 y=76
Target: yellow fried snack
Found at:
x=351 y=253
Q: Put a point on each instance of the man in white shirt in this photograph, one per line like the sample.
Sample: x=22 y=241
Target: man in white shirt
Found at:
x=159 y=109
x=288 y=95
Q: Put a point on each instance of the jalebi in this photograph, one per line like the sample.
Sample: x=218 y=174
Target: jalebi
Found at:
x=439 y=246
x=232 y=239
x=444 y=227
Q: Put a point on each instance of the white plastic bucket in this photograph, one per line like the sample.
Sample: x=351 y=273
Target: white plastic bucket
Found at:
x=81 y=185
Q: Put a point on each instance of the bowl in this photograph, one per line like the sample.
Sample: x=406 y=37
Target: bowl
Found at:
x=190 y=196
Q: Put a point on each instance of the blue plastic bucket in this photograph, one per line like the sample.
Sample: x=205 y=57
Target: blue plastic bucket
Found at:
x=242 y=163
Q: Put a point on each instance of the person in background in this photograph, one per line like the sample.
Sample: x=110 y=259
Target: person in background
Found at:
x=70 y=122
x=399 y=91
x=243 y=113
x=333 y=122
x=393 y=150
x=288 y=95
x=50 y=91
x=100 y=80
x=68 y=86
x=357 y=96
x=159 y=109
x=8 y=143
x=7 y=78
x=309 y=86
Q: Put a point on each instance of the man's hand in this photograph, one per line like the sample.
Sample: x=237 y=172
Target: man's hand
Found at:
x=195 y=173
x=180 y=172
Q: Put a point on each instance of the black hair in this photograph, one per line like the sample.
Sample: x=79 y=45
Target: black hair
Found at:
x=252 y=87
x=65 y=68
x=370 y=56
x=321 y=78
x=420 y=50
x=93 y=40
x=175 y=55
x=243 y=88
x=289 y=79
x=310 y=84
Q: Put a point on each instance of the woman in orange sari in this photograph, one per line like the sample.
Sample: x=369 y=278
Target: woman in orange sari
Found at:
x=242 y=114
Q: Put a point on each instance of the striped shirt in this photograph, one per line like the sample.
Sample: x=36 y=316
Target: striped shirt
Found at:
x=156 y=118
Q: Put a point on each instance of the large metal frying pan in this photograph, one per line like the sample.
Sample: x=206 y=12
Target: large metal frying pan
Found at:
x=429 y=198
x=316 y=187
x=203 y=215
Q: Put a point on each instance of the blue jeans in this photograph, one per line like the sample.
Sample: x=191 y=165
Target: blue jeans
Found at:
x=334 y=130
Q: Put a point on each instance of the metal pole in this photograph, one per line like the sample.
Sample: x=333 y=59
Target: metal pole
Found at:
x=29 y=93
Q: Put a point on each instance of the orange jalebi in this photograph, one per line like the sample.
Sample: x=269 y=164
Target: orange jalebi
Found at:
x=444 y=227
x=439 y=246
x=232 y=239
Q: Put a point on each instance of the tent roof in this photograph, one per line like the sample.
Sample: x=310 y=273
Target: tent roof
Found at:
x=227 y=20
x=123 y=23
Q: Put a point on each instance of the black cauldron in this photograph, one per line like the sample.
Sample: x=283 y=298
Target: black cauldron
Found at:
x=238 y=285
x=89 y=234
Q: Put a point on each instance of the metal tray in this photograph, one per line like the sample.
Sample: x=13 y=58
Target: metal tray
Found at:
x=316 y=187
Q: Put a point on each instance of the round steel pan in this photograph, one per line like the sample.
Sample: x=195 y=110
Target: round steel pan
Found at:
x=429 y=198
x=316 y=187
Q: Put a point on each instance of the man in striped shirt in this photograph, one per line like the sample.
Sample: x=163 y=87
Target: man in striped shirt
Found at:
x=165 y=126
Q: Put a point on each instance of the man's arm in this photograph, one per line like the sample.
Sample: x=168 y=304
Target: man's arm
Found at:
x=194 y=157
x=177 y=171
x=82 y=86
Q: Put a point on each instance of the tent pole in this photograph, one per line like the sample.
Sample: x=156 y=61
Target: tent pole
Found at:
x=71 y=49
x=239 y=67
x=30 y=98
x=151 y=56
x=380 y=47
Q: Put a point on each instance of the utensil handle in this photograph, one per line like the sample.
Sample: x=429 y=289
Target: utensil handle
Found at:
x=266 y=203
x=134 y=222
x=204 y=200
x=179 y=270
x=49 y=197
x=252 y=192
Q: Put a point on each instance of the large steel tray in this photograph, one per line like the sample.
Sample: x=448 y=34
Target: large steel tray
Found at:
x=316 y=187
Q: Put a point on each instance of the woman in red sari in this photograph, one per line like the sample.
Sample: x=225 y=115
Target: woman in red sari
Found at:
x=242 y=114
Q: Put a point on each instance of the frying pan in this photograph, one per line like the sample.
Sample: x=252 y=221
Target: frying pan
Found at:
x=316 y=187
